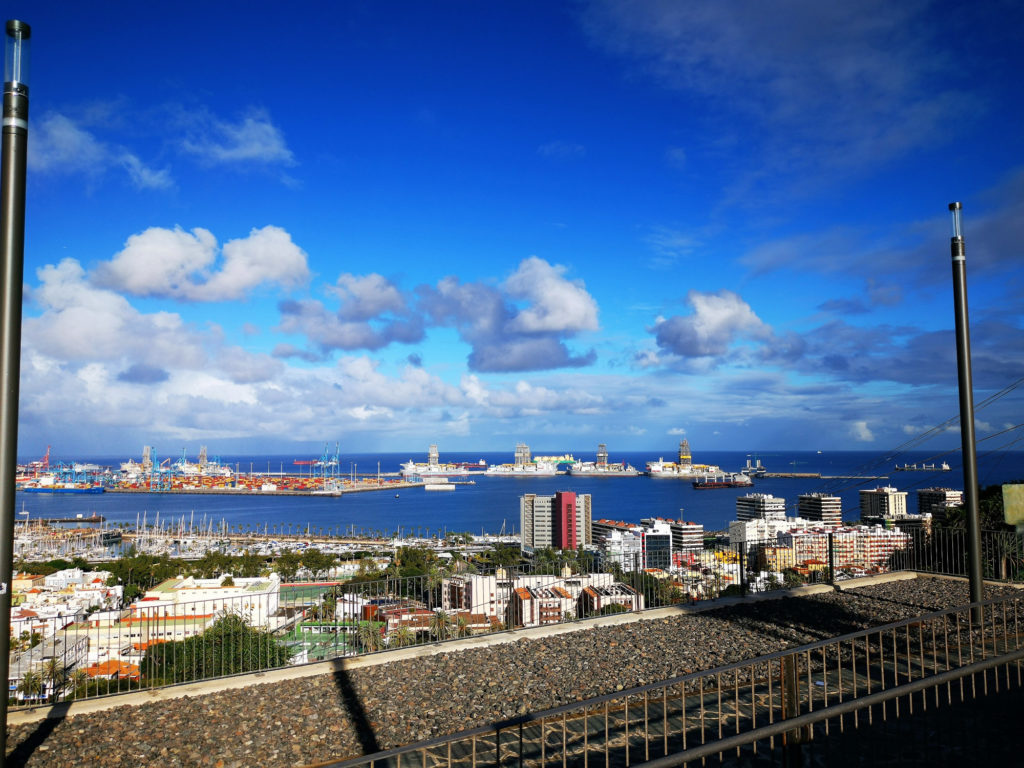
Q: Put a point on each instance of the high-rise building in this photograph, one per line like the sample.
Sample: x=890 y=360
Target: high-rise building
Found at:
x=561 y=521
x=821 y=508
x=879 y=504
x=937 y=501
x=686 y=536
x=760 y=506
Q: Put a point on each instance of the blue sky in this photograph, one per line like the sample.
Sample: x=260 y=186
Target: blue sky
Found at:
x=393 y=223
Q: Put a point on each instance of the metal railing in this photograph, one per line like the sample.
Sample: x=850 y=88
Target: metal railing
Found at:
x=768 y=707
x=258 y=625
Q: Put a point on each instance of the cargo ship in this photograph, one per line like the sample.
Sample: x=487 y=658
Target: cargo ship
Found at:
x=943 y=467
x=730 y=480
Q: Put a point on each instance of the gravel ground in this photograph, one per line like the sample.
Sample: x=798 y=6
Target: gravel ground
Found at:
x=316 y=719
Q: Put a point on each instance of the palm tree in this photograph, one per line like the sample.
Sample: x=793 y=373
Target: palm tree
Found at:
x=368 y=636
x=441 y=625
x=79 y=680
x=403 y=636
x=54 y=674
x=462 y=625
x=31 y=685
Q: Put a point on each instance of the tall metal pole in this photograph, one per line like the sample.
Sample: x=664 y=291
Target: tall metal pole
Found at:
x=963 y=367
x=12 y=255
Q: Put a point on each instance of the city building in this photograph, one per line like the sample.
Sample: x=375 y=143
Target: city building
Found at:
x=878 y=504
x=561 y=521
x=67 y=654
x=686 y=536
x=938 y=501
x=528 y=599
x=760 y=532
x=760 y=506
x=821 y=508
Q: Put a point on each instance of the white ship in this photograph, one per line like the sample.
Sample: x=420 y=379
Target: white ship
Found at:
x=601 y=467
x=683 y=468
x=533 y=469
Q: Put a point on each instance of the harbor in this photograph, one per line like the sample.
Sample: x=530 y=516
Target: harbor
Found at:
x=400 y=508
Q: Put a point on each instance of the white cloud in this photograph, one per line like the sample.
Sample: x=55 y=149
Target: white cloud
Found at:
x=172 y=263
x=718 y=321
x=144 y=177
x=678 y=431
x=367 y=296
x=253 y=139
x=60 y=145
x=859 y=431
x=556 y=304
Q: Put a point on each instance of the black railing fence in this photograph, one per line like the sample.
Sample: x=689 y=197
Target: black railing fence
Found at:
x=188 y=630
x=806 y=706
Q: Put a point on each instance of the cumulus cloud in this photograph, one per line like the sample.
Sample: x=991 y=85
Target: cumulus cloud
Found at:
x=860 y=432
x=555 y=304
x=139 y=373
x=367 y=296
x=82 y=324
x=173 y=263
x=372 y=314
x=509 y=336
x=329 y=331
x=717 y=322
x=252 y=139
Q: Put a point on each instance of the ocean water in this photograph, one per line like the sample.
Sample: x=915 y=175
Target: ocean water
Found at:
x=492 y=503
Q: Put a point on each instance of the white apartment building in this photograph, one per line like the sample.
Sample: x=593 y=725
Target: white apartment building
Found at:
x=760 y=531
x=760 y=506
x=686 y=536
x=877 y=504
x=494 y=594
x=821 y=508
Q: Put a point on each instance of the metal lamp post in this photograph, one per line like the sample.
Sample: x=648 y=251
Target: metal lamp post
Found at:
x=12 y=256
x=966 y=388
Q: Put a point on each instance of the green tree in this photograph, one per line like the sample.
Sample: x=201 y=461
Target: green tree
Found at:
x=402 y=637
x=79 y=680
x=368 y=636
x=287 y=565
x=318 y=563
x=441 y=625
x=54 y=674
x=31 y=684
x=228 y=646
